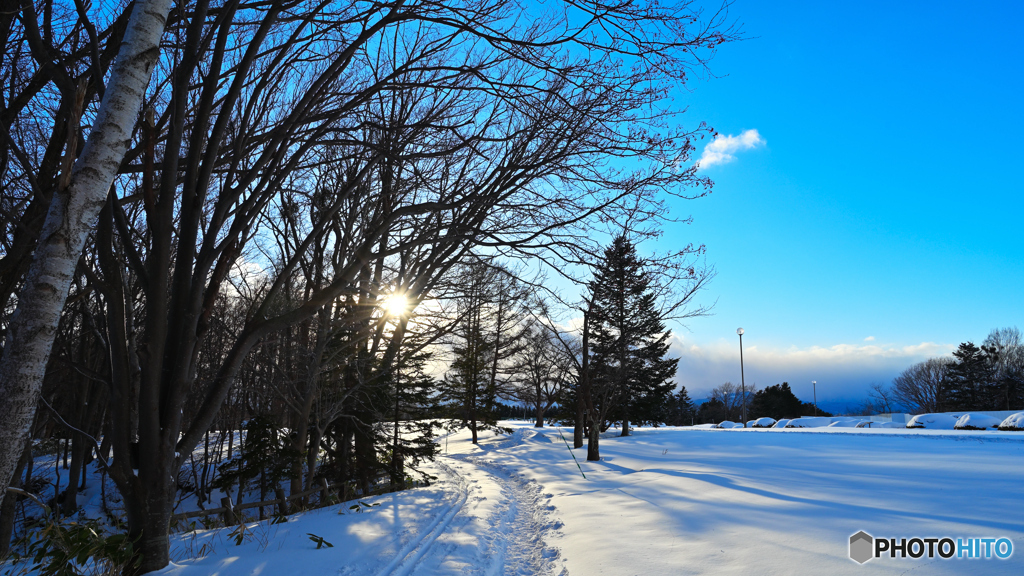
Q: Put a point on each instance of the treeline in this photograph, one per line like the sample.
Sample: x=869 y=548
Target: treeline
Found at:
x=725 y=402
x=350 y=396
x=985 y=377
x=295 y=168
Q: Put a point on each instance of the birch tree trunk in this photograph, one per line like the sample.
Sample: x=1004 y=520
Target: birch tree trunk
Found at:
x=71 y=216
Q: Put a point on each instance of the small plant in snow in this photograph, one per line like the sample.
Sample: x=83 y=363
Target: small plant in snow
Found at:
x=361 y=505
x=240 y=534
x=56 y=548
x=319 y=540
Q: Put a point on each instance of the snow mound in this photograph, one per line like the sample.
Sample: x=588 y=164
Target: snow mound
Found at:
x=846 y=424
x=762 y=423
x=1013 y=422
x=934 y=421
x=809 y=422
x=871 y=424
x=727 y=424
x=977 y=422
x=782 y=423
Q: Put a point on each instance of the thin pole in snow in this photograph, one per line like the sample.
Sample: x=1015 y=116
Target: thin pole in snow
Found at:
x=570 y=453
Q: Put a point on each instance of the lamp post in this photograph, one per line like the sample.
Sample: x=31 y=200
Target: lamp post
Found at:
x=814 y=386
x=743 y=384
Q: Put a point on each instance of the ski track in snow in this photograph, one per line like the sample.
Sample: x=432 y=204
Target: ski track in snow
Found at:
x=514 y=544
x=415 y=550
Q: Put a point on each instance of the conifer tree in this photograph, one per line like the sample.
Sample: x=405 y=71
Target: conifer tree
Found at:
x=680 y=409
x=485 y=339
x=413 y=398
x=629 y=340
x=970 y=380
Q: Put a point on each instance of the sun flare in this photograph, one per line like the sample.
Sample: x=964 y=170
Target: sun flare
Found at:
x=396 y=305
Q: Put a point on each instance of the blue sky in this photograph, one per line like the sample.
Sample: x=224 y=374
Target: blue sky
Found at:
x=876 y=222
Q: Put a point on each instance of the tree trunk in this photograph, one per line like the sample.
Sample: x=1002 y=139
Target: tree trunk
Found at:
x=594 y=432
x=78 y=448
x=577 y=432
x=10 y=500
x=593 y=448
x=540 y=417
x=315 y=440
x=155 y=545
x=72 y=214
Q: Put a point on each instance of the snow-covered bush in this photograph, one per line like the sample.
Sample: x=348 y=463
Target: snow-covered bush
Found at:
x=762 y=423
x=809 y=422
x=977 y=422
x=1013 y=422
x=934 y=421
x=845 y=424
x=870 y=424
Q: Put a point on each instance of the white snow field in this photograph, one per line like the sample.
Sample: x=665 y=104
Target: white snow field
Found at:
x=666 y=501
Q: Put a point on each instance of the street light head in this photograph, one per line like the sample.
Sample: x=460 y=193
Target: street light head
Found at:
x=739 y=331
x=814 y=381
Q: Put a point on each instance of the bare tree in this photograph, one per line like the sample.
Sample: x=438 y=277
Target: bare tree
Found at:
x=410 y=135
x=542 y=371
x=1006 y=347
x=918 y=389
x=70 y=218
x=731 y=397
x=880 y=399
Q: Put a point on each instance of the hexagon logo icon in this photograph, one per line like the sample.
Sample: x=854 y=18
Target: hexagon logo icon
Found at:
x=861 y=545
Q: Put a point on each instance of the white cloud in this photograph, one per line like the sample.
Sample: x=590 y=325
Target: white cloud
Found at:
x=843 y=371
x=869 y=339
x=721 y=150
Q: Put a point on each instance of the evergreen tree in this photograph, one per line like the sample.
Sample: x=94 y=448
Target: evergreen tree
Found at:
x=1005 y=350
x=414 y=405
x=464 y=388
x=629 y=340
x=265 y=456
x=680 y=411
x=779 y=402
x=776 y=402
x=971 y=379
x=484 y=341
x=711 y=412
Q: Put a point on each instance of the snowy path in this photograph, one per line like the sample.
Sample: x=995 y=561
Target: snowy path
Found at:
x=480 y=518
x=514 y=516
x=660 y=502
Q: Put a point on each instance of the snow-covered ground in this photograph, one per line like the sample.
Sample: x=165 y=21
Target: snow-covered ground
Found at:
x=663 y=501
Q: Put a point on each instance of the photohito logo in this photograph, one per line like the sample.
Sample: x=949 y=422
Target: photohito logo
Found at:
x=864 y=547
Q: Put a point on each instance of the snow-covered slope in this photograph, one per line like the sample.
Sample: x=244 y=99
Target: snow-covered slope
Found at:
x=663 y=501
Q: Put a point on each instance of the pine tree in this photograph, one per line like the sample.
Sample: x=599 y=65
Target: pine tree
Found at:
x=779 y=402
x=776 y=402
x=680 y=409
x=629 y=340
x=414 y=401
x=484 y=341
x=971 y=378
